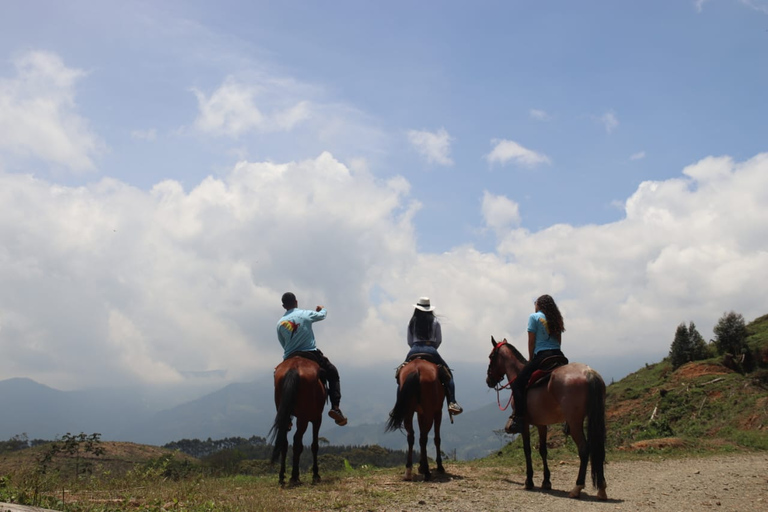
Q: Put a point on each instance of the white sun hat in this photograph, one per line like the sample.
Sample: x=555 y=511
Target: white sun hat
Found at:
x=424 y=304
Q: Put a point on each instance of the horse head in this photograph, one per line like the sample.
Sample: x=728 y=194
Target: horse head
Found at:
x=497 y=366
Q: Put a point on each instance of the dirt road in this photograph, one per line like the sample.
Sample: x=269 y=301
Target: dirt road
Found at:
x=722 y=483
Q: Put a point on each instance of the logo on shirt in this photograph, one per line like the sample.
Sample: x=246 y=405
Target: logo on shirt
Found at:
x=289 y=325
x=544 y=323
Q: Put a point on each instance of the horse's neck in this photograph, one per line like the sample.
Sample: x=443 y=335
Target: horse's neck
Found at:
x=512 y=366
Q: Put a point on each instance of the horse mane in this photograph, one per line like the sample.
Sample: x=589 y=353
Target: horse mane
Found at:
x=517 y=354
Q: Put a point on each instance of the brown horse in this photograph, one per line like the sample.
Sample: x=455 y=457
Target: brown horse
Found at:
x=420 y=392
x=299 y=392
x=572 y=393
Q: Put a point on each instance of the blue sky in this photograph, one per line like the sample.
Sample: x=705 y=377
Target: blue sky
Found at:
x=170 y=168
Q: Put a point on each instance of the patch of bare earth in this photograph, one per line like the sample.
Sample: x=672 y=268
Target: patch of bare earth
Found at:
x=722 y=483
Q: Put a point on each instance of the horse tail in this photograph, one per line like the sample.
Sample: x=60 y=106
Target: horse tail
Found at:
x=410 y=388
x=596 y=428
x=279 y=431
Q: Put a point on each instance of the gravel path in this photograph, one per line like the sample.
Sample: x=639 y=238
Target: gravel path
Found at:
x=722 y=483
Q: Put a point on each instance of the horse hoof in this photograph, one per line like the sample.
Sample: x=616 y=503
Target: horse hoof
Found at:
x=294 y=482
x=408 y=475
x=528 y=485
x=601 y=495
x=316 y=479
x=546 y=486
x=441 y=470
x=576 y=492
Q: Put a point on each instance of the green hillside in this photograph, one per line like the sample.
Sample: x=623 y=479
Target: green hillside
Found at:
x=704 y=404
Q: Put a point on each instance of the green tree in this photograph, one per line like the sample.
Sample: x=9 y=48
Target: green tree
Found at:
x=699 y=348
x=730 y=334
x=681 y=350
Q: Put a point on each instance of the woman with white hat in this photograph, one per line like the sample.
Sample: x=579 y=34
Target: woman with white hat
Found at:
x=425 y=337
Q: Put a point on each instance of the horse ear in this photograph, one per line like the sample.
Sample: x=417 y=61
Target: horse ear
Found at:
x=493 y=341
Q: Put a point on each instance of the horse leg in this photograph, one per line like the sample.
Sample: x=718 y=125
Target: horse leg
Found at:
x=545 y=484
x=527 y=450
x=298 y=447
x=283 y=455
x=408 y=423
x=439 y=457
x=577 y=434
x=315 y=445
x=425 y=425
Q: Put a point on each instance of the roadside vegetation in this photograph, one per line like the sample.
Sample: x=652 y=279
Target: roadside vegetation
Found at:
x=704 y=398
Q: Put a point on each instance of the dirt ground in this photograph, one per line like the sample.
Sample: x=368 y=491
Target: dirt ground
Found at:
x=736 y=483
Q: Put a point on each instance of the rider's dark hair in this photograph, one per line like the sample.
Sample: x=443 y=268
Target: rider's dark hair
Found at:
x=555 y=324
x=422 y=324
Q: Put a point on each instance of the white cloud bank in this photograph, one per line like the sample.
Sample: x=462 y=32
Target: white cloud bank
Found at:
x=39 y=115
x=109 y=283
x=435 y=147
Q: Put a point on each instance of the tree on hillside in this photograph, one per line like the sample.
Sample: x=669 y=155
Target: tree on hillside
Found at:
x=698 y=345
x=687 y=346
x=730 y=334
x=681 y=349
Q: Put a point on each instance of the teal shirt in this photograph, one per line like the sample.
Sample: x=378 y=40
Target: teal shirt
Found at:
x=537 y=324
x=294 y=330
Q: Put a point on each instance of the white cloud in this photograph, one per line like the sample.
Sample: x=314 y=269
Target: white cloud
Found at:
x=699 y=4
x=539 y=115
x=149 y=135
x=232 y=110
x=609 y=121
x=109 y=283
x=39 y=117
x=505 y=151
x=435 y=147
x=637 y=156
x=499 y=212
x=758 y=5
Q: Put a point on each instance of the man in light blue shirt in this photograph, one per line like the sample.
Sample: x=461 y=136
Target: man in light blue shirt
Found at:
x=294 y=331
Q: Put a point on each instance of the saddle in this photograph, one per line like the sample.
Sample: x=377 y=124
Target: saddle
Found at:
x=542 y=373
x=314 y=356
x=442 y=371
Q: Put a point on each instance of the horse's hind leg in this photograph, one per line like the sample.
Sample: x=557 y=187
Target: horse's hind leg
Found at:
x=315 y=445
x=577 y=433
x=545 y=484
x=425 y=425
x=439 y=457
x=298 y=447
x=283 y=455
x=408 y=424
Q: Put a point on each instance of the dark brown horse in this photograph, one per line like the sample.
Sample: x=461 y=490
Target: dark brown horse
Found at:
x=420 y=392
x=572 y=393
x=299 y=392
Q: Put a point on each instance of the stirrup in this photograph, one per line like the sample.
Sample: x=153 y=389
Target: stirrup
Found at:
x=513 y=426
x=455 y=408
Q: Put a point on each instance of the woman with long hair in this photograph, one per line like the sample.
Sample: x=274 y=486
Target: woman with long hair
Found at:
x=545 y=336
x=424 y=337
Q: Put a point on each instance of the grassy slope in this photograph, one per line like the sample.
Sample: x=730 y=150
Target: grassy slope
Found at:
x=703 y=403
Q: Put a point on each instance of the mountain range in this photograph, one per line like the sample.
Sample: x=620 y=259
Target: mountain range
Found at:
x=237 y=409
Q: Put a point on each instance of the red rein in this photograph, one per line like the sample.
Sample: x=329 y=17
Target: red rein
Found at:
x=505 y=386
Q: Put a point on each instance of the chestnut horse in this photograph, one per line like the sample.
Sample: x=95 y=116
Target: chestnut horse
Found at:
x=572 y=393
x=422 y=393
x=299 y=392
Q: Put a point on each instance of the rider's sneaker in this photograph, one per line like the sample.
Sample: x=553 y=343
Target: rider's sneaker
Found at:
x=513 y=426
x=338 y=416
x=454 y=408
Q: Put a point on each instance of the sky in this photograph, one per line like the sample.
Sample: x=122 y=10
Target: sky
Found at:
x=169 y=169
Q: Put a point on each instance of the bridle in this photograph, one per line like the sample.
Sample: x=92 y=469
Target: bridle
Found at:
x=498 y=387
